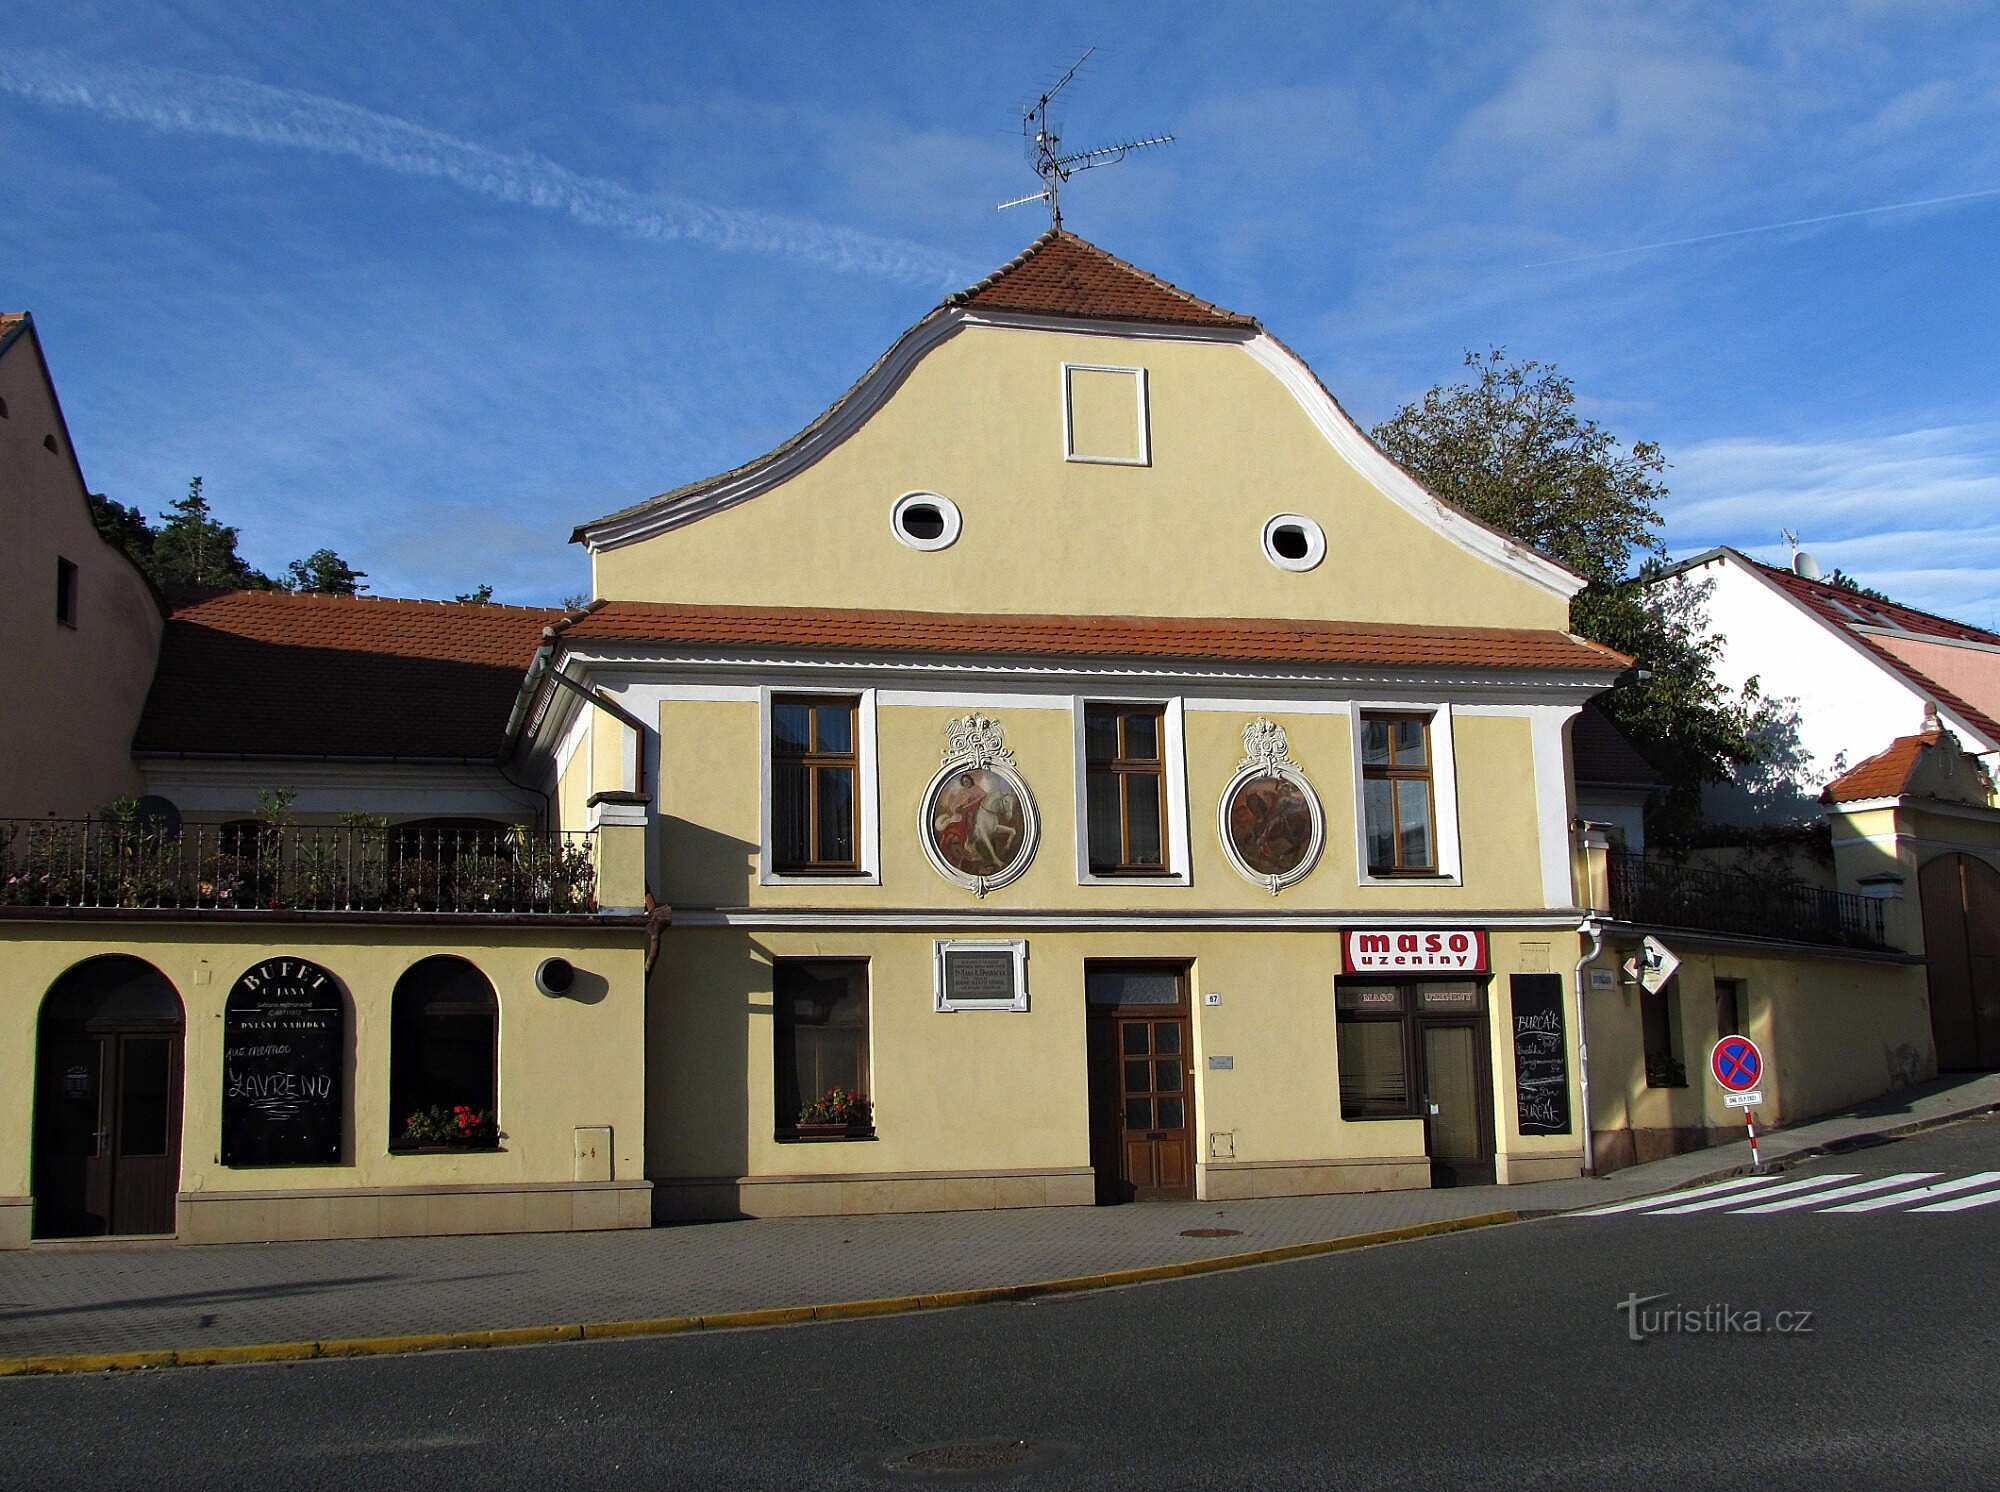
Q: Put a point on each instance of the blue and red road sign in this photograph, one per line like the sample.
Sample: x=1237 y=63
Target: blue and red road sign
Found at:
x=1736 y=1063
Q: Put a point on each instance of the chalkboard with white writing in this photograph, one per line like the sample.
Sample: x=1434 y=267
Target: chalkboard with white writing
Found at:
x=1541 y=1055
x=284 y=1035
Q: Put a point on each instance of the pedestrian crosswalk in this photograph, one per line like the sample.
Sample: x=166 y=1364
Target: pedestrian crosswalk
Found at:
x=1832 y=1192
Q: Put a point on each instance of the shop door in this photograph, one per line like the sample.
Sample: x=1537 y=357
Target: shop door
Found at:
x=1961 y=906
x=107 y=1106
x=1141 y=1086
x=1458 y=1108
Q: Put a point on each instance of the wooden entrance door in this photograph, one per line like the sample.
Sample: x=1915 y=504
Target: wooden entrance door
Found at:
x=1961 y=904
x=108 y=1103
x=1458 y=1106
x=1142 y=1122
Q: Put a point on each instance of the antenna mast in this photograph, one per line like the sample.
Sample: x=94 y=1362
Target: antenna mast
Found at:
x=1046 y=155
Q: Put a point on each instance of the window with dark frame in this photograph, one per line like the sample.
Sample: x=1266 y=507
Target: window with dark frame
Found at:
x=1125 y=780
x=1664 y=1068
x=65 y=591
x=1396 y=794
x=1728 y=1008
x=444 y=1051
x=814 y=767
x=820 y=1020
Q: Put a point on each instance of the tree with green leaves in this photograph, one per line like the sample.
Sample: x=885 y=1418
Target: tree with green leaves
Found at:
x=480 y=595
x=192 y=551
x=1510 y=448
x=123 y=528
x=325 y=573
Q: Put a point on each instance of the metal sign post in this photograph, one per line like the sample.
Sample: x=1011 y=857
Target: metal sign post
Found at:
x=1738 y=1066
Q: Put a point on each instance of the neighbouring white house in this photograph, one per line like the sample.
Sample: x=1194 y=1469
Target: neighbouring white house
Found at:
x=1861 y=671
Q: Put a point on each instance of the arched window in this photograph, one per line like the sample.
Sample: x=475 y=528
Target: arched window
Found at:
x=444 y=1047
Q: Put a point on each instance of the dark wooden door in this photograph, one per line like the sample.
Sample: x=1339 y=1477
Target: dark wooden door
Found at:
x=107 y=1104
x=1142 y=1099
x=1458 y=1104
x=1961 y=907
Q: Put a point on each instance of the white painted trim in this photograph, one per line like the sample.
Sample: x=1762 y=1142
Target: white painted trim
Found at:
x=1173 y=753
x=1291 y=773
x=868 y=837
x=948 y=918
x=1016 y=947
x=1031 y=826
x=958 y=699
x=1230 y=704
x=1444 y=792
x=1398 y=485
x=1142 y=410
x=1552 y=806
x=947 y=511
x=1315 y=538
x=1872 y=630
x=572 y=741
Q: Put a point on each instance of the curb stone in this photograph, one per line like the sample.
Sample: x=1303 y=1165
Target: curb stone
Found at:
x=848 y=1310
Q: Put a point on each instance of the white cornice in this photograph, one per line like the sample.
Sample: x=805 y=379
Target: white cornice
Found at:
x=946 y=918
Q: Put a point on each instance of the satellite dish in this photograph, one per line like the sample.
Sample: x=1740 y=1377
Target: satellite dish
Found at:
x=156 y=815
x=1806 y=567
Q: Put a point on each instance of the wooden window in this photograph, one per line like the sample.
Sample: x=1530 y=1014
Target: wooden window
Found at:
x=1396 y=794
x=1124 y=752
x=815 y=766
x=65 y=591
x=821 y=1059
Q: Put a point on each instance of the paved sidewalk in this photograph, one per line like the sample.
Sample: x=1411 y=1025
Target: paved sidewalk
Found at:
x=116 y=1298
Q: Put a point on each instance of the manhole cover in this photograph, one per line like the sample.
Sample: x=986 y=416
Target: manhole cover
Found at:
x=971 y=1456
x=1211 y=1232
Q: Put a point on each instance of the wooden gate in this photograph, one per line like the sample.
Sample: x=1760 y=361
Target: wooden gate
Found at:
x=1961 y=902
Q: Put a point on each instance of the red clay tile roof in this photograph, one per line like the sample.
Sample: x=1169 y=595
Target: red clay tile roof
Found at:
x=1060 y=274
x=1603 y=755
x=1884 y=775
x=269 y=673
x=1832 y=604
x=1207 y=639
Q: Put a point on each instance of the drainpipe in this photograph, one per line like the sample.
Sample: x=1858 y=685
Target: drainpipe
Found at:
x=1595 y=933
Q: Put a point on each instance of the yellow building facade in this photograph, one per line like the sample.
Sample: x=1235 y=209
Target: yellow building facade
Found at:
x=1085 y=751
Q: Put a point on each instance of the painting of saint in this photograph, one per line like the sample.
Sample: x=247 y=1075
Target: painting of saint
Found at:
x=1270 y=825
x=977 y=823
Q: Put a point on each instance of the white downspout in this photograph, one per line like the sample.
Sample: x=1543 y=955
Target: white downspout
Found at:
x=1591 y=930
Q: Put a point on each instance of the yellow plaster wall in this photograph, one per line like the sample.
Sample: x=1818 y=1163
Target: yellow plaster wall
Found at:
x=979 y=419
x=564 y=1063
x=978 y=1091
x=1834 y=1031
x=708 y=807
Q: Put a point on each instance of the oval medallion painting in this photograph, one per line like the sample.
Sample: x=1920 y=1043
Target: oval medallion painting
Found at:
x=1271 y=826
x=978 y=818
x=977 y=825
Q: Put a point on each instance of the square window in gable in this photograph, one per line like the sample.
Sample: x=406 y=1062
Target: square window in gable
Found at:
x=1105 y=415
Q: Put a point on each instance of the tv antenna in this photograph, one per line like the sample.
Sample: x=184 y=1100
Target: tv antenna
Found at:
x=1045 y=151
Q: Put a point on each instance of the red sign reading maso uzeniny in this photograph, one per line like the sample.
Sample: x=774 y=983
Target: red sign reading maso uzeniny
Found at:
x=1413 y=951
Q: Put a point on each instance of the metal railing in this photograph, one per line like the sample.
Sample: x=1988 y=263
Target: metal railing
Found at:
x=245 y=865
x=1709 y=899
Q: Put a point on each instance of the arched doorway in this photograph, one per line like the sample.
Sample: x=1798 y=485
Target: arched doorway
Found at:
x=108 y=1101
x=1961 y=901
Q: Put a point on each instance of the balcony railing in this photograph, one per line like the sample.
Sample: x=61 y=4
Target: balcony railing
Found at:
x=92 y=863
x=1705 y=898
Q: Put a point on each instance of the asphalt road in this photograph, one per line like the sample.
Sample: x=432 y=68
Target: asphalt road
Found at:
x=1497 y=1358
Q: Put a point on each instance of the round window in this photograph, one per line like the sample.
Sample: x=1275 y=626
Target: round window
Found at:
x=1293 y=541
x=924 y=520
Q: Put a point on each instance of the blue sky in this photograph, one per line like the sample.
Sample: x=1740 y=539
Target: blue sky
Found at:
x=432 y=283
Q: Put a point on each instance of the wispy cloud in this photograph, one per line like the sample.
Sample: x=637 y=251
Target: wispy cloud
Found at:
x=1825 y=217
x=176 y=102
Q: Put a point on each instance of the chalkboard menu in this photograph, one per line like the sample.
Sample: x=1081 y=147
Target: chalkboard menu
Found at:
x=284 y=1035
x=1541 y=1055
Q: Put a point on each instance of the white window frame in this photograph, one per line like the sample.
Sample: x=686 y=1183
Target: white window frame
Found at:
x=1143 y=409
x=1444 y=791
x=1016 y=947
x=1173 y=760
x=867 y=829
x=947 y=511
